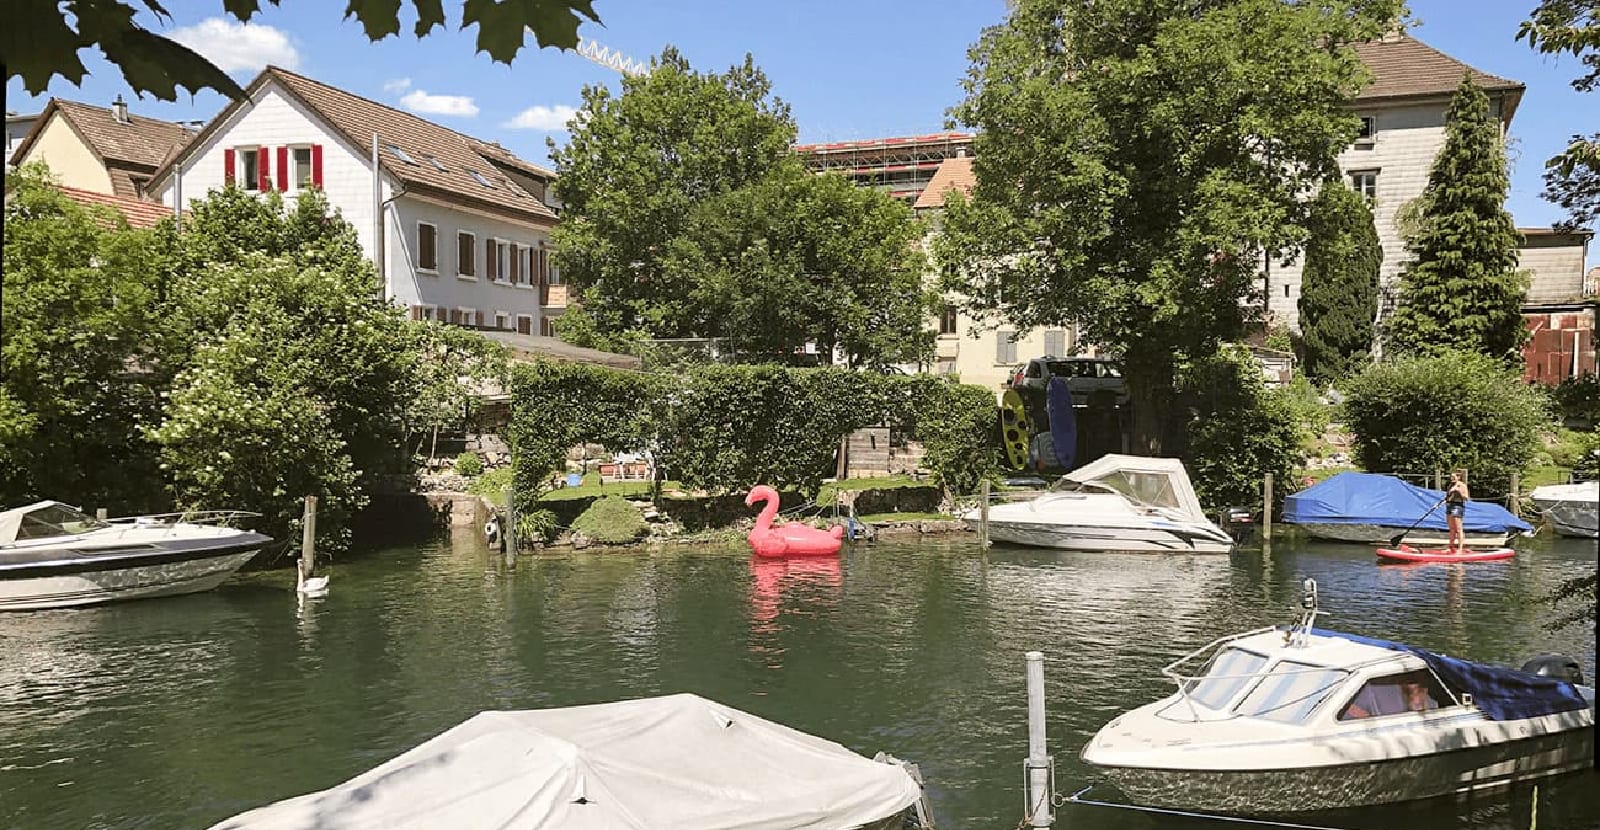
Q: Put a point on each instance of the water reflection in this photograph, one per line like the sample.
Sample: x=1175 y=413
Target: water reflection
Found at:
x=804 y=586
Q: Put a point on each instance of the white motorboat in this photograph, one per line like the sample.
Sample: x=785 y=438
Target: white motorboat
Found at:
x=1570 y=508
x=1120 y=503
x=52 y=555
x=1295 y=719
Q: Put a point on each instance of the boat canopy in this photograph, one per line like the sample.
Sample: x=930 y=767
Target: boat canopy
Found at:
x=1153 y=482
x=44 y=519
x=1501 y=693
x=1373 y=499
x=679 y=761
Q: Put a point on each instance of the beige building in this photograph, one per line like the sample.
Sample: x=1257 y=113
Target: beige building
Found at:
x=100 y=149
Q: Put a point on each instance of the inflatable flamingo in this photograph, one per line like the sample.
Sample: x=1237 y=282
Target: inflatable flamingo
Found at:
x=792 y=539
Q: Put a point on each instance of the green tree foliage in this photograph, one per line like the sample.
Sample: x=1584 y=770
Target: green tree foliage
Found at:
x=1441 y=412
x=1139 y=159
x=1339 y=291
x=76 y=315
x=1462 y=289
x=1238 y=430
x=1572 y=178
x=42 y=38
x=610 y=521
x=686 y=216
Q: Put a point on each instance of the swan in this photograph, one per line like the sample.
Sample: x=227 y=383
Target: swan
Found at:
x=316 y=586
x=792 y=539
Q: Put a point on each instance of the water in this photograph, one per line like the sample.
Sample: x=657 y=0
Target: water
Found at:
x=177 y=713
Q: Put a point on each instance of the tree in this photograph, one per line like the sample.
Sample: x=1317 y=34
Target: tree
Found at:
x=1462 y=290
x=1239 y=430
x=1339 y=291
x=1572 y=178
x=1138 y=160
x=43 y=37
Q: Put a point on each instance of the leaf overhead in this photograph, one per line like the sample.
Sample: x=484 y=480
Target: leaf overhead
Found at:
x=379 y=18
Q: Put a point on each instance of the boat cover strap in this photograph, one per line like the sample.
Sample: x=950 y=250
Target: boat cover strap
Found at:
x=1501 y=693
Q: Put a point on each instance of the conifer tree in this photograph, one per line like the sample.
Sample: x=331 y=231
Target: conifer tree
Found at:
x=1461 y=289
x=1339 y=293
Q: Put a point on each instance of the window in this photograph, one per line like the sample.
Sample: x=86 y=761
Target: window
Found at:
x=438 y=165
x=1055 y=342
x=250 y=168
x=1365 y=182
x=547 y=327
x=502 y=320
x=400 y=154
x=1369 y=130
x=466 y=254
x=301 y=175
x=1285 y=289
x=467 y=316
x=1291 y=691
x=524 y=324
x=947 y=319
x=1228 y=673
x=528 y=261
x=516 y=265
x=502 y=261
x=542 y=266
x=1396 y=694
x=427 y=247
x=1005 y=346
x=480 y=179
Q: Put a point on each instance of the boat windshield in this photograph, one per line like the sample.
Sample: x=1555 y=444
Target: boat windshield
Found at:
x=1153 y=489
x=56 y=520
x=1230 y=670
x=1290 y=691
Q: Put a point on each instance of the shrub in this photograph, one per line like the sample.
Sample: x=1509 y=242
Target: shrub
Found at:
x=539 y=526
x=1578 y=398
x=469 y=464
x=1238 y=429
x=1457 y=409
x=610 y=521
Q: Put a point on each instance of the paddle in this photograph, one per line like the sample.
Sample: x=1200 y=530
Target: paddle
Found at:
x=1394 y=542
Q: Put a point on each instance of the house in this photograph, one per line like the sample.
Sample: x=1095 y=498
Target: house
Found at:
x=1559 y=310
x=17 y=128
x=99 y=149
x=457 y=227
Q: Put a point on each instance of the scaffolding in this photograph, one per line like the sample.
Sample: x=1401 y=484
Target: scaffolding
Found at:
x=901 y=166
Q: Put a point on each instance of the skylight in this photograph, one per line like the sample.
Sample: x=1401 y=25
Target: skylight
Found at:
x=400 y=154
x=438 y=164
x=480 y=179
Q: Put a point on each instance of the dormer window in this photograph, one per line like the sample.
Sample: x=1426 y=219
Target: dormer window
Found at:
x=438 y=165
x=478 y=177
x=400 y=154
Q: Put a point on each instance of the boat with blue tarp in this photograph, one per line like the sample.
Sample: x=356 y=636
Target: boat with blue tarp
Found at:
x=1371 y=508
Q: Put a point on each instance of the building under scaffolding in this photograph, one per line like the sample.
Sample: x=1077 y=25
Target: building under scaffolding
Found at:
x=900 y=166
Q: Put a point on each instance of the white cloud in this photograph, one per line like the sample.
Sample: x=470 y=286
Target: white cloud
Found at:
x=235 y=46
x=397 y=85
x=543 y=118
x=419 y=101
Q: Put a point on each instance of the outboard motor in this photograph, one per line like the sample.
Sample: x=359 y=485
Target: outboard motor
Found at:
x=1558 y=666
x=1238 y=523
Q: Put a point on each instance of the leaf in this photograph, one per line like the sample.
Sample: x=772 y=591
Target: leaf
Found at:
x=502 y=24
x=430 y=13
x=36 y=45
x=380 y=18
x=243 y=10
x=158 y=65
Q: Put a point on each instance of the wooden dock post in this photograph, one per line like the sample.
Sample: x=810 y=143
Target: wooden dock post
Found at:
x=100 y=513
x=1512 y=502
x=308 y=536
x=1040 y=799
x=983 y=514
x=1266 y=510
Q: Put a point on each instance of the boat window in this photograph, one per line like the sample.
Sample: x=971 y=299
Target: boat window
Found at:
x=1229 y=671
x=1146 y=488
x=1396 y=694
x=1290 y=691
x=55 y=520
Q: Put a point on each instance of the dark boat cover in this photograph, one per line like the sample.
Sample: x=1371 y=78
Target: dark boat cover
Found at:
x=1063 y=422
x=1372 y=499
x=1501 y=693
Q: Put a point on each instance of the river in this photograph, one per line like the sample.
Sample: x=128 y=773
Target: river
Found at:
x=178 y=712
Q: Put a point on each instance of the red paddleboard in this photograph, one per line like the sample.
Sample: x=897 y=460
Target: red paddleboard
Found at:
x=1407 y=553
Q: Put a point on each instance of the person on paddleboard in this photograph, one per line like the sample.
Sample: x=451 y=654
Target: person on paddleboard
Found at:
x=1455 y=508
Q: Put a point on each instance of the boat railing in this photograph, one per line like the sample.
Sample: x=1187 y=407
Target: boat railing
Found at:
x=216 y=518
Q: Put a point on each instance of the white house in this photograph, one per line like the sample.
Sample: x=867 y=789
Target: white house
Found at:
x=459 y=228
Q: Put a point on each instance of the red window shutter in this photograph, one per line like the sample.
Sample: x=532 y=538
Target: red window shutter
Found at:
x=264 y=164
x=227 y=165
x=283 y=168
x=316 y=165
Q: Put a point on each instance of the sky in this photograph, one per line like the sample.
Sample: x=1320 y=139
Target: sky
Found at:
x=848 y=70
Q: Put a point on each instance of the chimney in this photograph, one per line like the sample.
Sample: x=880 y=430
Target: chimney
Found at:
x=119 y=111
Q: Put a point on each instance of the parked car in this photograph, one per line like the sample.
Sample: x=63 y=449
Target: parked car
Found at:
x=1084 y=375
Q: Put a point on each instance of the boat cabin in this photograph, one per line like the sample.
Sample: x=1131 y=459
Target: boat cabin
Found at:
x=44 y=520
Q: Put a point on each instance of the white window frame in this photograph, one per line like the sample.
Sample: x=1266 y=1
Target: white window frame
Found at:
x=502 y=319
x=1369 y=125
x=530 y=260
x=1360 y=180
x=533 y=328
x=301 y=180
x=502 y=261
x=249 y=175
x=1005 y=347
x=473 y=249
x=466 y=313
x=420 y=267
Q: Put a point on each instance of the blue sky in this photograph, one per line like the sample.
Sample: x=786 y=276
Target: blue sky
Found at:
x=853 y=70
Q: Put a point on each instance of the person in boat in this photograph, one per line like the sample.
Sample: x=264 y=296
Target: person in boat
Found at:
x=1455 y=508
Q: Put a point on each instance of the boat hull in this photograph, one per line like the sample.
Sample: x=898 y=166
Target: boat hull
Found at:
x=1380 y=535
x=1101 y=538
x=1571 y=518
x=37 y=586
x=1363 y=784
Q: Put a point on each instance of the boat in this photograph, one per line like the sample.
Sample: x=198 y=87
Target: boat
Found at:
x=1117 y=503
x=670 y=762
x=1295 y=719
x=1372 y=509
x=1407 y=553
x=52 y=555
x=1570 y=508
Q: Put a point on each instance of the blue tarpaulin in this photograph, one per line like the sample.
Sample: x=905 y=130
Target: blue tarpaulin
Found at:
x=1501 y=693
x=1063 y=422
x=1372 y=499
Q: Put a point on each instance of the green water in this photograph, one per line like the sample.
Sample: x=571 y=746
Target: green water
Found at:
x=176 y=713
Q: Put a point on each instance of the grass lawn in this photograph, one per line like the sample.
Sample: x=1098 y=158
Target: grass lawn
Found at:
x=825 y=495
x=878 y=518
x=591 y=486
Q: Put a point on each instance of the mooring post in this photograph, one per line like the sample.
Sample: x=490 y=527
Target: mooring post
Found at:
x=100 y=512
x=1511 y=498
x=983 y=514
x=510 y=529
x=1266 y=510
x=308 y=536
x=1039 y=766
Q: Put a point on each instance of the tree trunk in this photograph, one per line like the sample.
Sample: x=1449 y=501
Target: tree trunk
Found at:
x=1150 y=375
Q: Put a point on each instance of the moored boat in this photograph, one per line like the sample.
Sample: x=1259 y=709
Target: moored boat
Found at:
x=1571 y=509
x=52 y=555
x=1295 y=719
x=1371 y=508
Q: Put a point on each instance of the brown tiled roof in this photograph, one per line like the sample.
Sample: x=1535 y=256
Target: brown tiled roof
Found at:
x=139 y=213
x=1406 y=67
x=142 y=142
x=357 y=118
x=953 y=174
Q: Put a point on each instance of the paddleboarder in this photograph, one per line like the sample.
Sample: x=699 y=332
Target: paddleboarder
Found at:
x=1455 y=508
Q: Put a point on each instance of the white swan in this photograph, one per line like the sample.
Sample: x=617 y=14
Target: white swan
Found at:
x=316 y=586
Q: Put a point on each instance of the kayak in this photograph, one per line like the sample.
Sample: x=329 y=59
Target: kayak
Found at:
x=1407 y=553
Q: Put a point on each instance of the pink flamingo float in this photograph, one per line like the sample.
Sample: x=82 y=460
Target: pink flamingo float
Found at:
x=792 y=539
